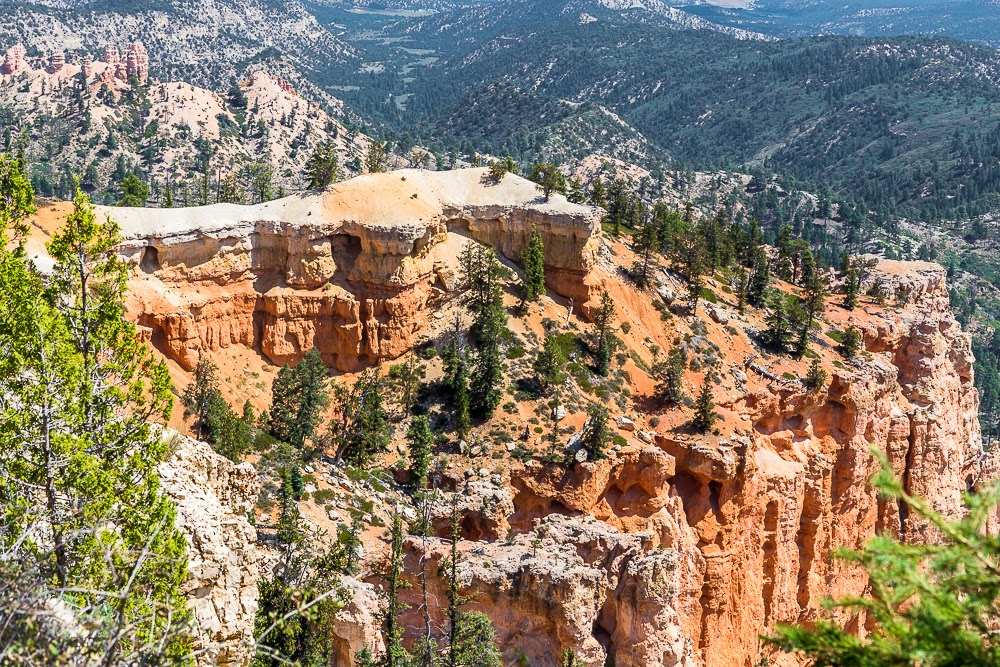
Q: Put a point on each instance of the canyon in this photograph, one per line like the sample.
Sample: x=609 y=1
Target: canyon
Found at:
x=679 y=548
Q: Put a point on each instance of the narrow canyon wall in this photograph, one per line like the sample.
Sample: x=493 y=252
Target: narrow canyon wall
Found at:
x=350 y=270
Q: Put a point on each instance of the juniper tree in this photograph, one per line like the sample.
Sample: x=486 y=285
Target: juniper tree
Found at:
x=85 y=519
x=577 y=193
x=533 y=261
x=168 y=196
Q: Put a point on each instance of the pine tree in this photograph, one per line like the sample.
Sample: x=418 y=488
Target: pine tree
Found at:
x=197 y=397
x=361 y=430
x=533 y=261
x=487 y=375
x=598 y=433
x=705 y=416
x=549 y=363
x=851 y=343
x=813 y=304
x=760 y=281
x=778 y=335
x=645 y=240
x=230 y=191
x=420 y=439
x=322 y=168
x=742 y=287
x=134 y=191
x=376 y=159
x=396 y=654
x=930 y=604
x=577 y=193
x=597 y=195
x=168 y=196
x=852 y=286
x=669 y=376
x=548 y=178
x=298 y=397
x=604 y=320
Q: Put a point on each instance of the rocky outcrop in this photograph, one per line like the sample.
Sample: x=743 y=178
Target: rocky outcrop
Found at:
x=567 y=584
x=754 y=512
x=350 y=270
x=13 y=60
x=214 y=497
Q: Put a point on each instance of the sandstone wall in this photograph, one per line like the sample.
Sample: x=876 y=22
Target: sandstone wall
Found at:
x=350 y=271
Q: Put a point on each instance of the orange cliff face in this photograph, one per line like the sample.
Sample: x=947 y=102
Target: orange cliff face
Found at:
x=753 y=512
x=351 y=270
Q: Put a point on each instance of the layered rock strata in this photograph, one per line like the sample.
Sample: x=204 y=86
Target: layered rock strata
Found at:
x=350 y=270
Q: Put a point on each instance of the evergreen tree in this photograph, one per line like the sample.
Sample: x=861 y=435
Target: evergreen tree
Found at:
x=548 y=178
x=760 y=281
x=597 y=195
x=420 y=439
x=298 y=397
x=598 y=433
x=261 y=177
x=500 y=168
x=813 y=304
x=168 y=196
x=549 y=363
x=533 y=261
x=741 y=281
x=705 y=416
x=778 y=335
x=932 y=604
x=645 y=240
x=228 y=433
x=604 y=320
x=230 y=191
x=134 y=192
x=669 y=376
x=84 y=518
x=816 y=377
x=376 y=159
x=197 y=397
x=851 y=342
x=577 y=193
x=322 y=168
x=852 y=286
x=396 y=654
x=361 y=428
x=487 y=375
